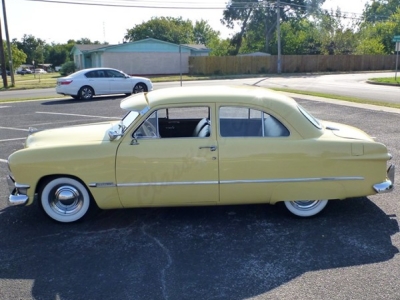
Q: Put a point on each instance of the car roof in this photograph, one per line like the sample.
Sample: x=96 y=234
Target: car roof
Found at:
x=84 y=71
x=249 y=96
x=246 y=95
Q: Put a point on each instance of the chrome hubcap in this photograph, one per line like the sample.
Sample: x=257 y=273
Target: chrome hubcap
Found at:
x=305 y=204
x=66 y=200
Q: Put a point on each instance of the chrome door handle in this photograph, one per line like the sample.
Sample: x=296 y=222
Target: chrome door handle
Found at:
x=212 y=148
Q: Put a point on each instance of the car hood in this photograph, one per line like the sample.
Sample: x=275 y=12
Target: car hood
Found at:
x=72 y=135
x=346 y=131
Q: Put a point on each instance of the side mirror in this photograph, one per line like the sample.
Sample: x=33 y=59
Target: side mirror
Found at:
x=112 y=134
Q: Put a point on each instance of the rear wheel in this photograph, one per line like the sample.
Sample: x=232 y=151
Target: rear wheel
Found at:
x=306 y=208
x=139 y=88
x=65 y=199
x=86 y=93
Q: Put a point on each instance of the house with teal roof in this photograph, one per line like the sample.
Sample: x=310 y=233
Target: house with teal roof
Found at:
x=144 y=57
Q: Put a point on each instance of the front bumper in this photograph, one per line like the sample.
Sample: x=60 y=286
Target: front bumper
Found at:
x=18 y=192
x=388 y=185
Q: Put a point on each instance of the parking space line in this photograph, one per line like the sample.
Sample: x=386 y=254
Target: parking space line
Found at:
x=13 y=128
x=16 y=139
x=3 y=160
x=77 y=115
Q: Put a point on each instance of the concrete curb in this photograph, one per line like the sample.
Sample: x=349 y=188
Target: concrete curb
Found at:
x=344 y=103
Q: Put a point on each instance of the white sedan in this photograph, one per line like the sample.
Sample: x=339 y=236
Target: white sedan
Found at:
x=84 y=84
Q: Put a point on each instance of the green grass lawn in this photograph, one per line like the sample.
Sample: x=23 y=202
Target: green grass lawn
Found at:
x=387 y=80
x=31 y=81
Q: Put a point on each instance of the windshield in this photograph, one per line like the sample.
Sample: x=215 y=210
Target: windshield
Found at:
x=128 y=119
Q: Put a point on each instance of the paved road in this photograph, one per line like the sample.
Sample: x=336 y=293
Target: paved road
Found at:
x=350 y=251
x=337 y=84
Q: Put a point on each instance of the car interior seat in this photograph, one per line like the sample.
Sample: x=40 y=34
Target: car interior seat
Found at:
x=203 y=122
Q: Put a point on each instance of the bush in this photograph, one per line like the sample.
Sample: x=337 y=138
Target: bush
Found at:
x=68 y=68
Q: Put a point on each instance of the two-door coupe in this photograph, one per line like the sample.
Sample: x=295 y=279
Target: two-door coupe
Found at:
x=214 y=145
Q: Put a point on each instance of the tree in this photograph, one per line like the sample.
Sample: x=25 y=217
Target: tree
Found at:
x=86 y=41
x=18 y=56
x=381 y=33
x=261 y=18
x=58 y=55
x=32 y=47
x=203 y=33
x=380 y=10
x=173 y=30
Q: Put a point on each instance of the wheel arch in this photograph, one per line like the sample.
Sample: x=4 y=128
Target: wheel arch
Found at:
x=47 y=178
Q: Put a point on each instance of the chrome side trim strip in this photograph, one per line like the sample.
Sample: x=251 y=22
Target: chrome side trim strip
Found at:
x=102 y=184
x=166 y=183
x=285 y=180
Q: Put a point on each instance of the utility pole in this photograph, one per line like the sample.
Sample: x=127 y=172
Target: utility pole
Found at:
x=3 y=60
x=278 y=34
x=8 y=44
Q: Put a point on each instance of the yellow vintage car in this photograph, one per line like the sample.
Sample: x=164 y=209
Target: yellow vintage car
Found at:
x=187 y=146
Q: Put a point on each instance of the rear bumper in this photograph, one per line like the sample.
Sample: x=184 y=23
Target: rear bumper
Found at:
x=388 y=185
x=18 y=192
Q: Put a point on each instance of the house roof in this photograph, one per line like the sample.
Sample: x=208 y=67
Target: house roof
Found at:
x=91 y=47
x=196 y=46
x=255 y=54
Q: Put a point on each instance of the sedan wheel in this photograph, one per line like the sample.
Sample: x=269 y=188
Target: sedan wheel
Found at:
x=306 y=208
x=86 y=93
x=65 y=199
x=140 y=88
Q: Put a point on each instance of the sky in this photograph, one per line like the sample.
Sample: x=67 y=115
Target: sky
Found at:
x=60 y=22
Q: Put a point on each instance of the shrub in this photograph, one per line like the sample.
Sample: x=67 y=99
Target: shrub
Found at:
x=68 y=68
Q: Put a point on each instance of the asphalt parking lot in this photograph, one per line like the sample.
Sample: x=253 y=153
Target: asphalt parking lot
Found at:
x=349 y=251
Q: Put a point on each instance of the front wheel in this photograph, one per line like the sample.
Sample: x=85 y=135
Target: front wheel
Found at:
x=306 y=208
x=139 y=88
x=86 y=93
x=65 y=199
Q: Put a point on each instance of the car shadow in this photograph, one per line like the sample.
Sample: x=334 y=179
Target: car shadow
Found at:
x=63 y=101
x=231 y=252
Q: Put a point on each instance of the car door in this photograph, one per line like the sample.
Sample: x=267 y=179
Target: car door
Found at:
x=176 y=167
x=118 y=82
x=254 y=154
x=98 y=80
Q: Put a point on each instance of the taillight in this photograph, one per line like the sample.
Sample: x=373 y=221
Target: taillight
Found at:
x=65 y=82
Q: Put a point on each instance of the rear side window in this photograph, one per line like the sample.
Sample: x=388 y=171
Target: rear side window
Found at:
x=248 y=122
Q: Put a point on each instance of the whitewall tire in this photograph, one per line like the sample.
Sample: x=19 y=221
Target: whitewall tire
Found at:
x=65 y=199
x=306 y=208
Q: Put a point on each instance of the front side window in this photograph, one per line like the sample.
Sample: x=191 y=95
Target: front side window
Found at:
x=248 y=122
x=176 y=122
